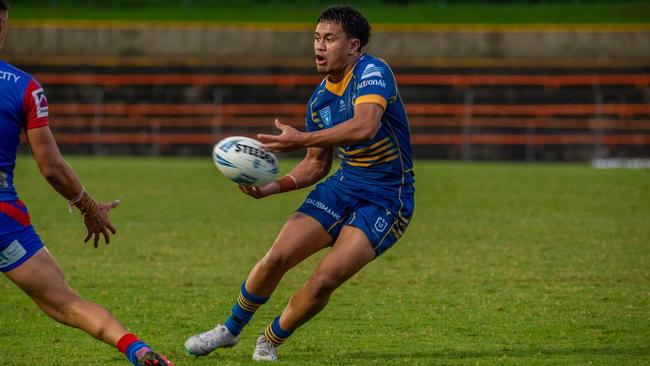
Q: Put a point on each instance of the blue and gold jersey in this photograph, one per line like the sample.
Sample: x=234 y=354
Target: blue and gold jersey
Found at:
x=383 y=163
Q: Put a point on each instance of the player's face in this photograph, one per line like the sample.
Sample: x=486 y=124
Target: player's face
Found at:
x=334 y=50
x=3 y=27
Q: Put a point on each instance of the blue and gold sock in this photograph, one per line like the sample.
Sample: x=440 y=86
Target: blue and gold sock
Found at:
x=275 y=334
x=246 y=305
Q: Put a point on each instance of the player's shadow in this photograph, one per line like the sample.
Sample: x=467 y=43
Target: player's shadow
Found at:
x=441 y=356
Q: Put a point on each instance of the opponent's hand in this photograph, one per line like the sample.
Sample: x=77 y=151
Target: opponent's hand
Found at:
x=261 y=191
x=288 y=140
x=97 y=222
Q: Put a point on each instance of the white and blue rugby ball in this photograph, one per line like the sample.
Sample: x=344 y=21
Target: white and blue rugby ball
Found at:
x=244 y=161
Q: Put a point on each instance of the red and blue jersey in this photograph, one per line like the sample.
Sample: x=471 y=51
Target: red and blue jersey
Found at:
x=23 y=106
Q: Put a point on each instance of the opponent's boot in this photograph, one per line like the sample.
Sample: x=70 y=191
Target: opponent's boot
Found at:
x=151 y=358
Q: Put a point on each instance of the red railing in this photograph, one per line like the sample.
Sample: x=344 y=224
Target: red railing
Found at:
x=605 y=123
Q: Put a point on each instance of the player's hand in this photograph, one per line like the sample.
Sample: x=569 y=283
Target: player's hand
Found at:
x=261 y=191
x=98 y=223
x=288 y=140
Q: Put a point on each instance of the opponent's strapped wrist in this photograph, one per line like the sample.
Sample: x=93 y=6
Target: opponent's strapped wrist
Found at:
x=87 y=206
x=287 y=183
x=76 y=200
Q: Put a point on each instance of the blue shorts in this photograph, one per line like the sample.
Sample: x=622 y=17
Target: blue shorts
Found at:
x=383 y=218
x=18 y=239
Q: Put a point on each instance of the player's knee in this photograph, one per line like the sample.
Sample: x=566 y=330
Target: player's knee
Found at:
x=56 y=304
x=322 y=285
x=61 y=309
x=90 y=317
x=73 y=309
x=274 y=262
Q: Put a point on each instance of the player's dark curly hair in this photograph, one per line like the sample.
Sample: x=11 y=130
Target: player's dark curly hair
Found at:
x=4 y=5
x=353 y=23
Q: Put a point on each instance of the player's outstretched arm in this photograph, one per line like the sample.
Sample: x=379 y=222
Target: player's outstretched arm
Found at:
x=358 y=129
x=311 y=169
x=63 y=179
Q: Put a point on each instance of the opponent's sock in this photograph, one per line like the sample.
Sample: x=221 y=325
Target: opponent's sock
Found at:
x=243 y=310
x=275 y=334
x=132 y=347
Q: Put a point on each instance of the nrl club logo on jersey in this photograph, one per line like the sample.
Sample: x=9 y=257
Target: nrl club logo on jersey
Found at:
x=381 y=224
x=41 y=103
x=326 y=116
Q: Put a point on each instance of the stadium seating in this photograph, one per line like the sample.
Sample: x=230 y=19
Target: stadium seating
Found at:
x=470 y=113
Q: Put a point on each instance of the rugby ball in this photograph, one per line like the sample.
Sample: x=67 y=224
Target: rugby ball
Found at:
x=244 y=161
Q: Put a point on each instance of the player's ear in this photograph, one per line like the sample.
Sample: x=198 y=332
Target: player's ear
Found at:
x=354 y=46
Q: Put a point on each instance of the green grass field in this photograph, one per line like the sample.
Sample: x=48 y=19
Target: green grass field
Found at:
x=553 y=12
x=504 y=264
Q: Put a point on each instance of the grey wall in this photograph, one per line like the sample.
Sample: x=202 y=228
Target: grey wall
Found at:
x=33 y=39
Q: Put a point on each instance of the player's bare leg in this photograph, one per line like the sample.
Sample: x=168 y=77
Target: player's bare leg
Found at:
x=351 y=252
x=42 y=279
x=300 y=237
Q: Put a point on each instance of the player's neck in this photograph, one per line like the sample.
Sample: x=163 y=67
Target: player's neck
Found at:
x=338 y=76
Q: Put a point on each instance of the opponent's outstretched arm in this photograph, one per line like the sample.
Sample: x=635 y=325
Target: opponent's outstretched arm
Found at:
x=62 y=178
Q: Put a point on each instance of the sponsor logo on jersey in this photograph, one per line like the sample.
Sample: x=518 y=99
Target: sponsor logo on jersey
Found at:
x=8 y=76
x=320 y=205
x=11 y=254
x=41 y=103
x=373 y=82
x=370 y=71
x=326 y=116
x=341 y=106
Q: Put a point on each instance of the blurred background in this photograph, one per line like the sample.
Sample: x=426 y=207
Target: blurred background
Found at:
x=516 y=80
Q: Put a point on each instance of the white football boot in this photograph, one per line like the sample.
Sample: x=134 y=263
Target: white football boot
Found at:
x=265 y=350
x=206 y=342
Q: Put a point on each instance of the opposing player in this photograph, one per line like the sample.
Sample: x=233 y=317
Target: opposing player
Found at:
x=23 y=258
x=360 y=211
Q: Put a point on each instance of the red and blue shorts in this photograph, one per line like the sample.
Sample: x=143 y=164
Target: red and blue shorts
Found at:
x=18 y=239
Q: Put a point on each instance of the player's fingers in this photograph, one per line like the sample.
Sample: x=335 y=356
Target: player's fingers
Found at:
x=255 y=192
x=107 y=236
x=250 y=190
x=279 y=124
x=273 y=146
x=114 y=204
x=88 y=235
x=111 y=228
x=263 y=137
x=96 y=240
x=247 y=190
